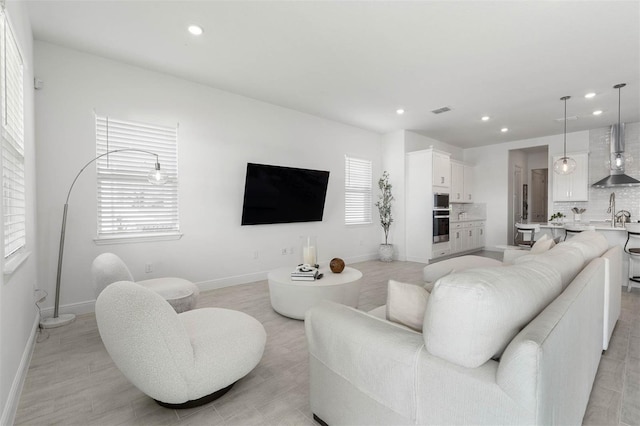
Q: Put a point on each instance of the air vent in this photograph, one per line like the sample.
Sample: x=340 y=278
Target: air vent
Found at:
x=441 y=110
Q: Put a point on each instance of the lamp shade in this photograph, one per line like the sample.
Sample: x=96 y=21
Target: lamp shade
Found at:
x=564 y=165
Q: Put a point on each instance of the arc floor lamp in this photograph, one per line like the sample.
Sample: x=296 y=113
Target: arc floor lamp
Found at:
x=155 y=176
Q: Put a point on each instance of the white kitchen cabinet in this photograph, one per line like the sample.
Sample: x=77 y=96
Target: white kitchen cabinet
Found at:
x=574 y=186
x=421 y=179
x=466 y=236
x=461 y=183
x=468 y=184
x=457 y=182
x=456 y=237
x=441 y=170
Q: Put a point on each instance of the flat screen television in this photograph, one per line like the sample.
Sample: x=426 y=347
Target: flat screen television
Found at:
x=275 y=194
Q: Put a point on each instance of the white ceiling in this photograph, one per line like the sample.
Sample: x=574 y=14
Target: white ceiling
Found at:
x=357 y=62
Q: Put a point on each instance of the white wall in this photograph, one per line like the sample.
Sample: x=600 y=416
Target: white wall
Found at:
x=219 y=133
x=18 y=317
x=393 y=161
x=492 y=177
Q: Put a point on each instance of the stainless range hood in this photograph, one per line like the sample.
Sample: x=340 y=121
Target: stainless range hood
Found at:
x=617 y=177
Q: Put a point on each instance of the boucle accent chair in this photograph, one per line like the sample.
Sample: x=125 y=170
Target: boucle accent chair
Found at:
x=108 y=268
x=180 y=360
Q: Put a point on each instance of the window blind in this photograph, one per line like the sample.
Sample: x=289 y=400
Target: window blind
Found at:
x=128 y=204
x=12 y=135
x=357 y=191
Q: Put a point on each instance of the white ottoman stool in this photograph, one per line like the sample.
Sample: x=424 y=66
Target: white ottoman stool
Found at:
x=108 y=268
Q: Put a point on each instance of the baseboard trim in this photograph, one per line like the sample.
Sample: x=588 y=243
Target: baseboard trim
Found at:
x=13 y=399
x=78 y=308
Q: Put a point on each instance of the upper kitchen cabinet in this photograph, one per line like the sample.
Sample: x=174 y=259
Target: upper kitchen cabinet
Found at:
x=441 y=170
x=574 y=186
x=461 y=183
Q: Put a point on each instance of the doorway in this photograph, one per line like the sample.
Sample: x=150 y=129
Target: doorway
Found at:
x=539 y=195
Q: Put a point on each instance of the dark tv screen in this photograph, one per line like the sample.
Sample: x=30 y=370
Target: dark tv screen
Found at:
x=275 y=194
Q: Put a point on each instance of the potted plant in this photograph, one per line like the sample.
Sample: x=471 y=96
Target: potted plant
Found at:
x=384 y=209
x=557 y=218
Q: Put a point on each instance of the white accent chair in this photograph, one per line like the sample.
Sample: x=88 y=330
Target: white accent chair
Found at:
x=180 y=360
x=108 y=268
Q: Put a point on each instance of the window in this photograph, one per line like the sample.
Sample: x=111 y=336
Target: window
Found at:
x=12 y=131
x=128 y=204
x=357 y=191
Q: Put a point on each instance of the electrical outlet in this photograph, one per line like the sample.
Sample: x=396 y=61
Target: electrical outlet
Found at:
x=255 y=254
x=291 y=250
x=284 y=251
x=148 y=268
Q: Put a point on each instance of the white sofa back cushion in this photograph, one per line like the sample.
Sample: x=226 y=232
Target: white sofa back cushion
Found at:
x=592 y=244
x=566 y=259
x=472 y=316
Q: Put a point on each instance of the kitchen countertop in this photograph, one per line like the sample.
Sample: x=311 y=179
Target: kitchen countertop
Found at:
x=468 y=219
x=600 y=226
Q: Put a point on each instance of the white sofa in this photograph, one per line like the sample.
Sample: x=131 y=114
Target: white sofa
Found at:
x=517 y=344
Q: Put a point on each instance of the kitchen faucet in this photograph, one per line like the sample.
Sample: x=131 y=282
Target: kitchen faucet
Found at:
x=612 y=209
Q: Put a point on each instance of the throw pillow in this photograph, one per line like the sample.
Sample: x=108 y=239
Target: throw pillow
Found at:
x=406 y=304
x=542 y=244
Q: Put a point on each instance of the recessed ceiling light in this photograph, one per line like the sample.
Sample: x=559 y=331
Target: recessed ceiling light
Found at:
x=504 y=130
x=399 y=111
x=485 y=118
x=195 y=30
x=589 y=95
x=597 y=112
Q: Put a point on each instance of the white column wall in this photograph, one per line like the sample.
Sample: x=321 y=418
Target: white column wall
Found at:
x=219 y=133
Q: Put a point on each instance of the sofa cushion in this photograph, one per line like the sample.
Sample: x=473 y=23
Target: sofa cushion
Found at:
x=471 y=316
x=591 y=243
x=437 y=270
x=406 y=304
x=566 y=259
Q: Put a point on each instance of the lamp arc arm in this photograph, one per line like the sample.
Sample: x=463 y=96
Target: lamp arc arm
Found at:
x=102 y=155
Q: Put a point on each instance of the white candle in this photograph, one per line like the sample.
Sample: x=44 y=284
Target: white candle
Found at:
x=309 y=255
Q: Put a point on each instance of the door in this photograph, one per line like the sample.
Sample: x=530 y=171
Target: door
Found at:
x=539 y=195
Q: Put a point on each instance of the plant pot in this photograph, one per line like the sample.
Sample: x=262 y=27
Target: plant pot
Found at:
x=385 y=251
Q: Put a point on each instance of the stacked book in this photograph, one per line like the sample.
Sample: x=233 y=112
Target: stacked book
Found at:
x=300 y=274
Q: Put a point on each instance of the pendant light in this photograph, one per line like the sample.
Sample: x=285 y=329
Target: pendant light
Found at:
x=564 y=165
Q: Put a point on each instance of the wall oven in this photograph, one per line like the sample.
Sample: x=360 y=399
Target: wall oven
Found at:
x=440 y=218
x=440 y=226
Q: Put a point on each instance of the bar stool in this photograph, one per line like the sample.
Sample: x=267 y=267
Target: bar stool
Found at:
x=571 y=230
x=525 y=234
x=633 y=236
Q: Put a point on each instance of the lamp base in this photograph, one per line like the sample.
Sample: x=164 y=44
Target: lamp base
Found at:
x=61 y=320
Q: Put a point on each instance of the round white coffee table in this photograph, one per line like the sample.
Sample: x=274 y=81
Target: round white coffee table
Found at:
x=293 y=298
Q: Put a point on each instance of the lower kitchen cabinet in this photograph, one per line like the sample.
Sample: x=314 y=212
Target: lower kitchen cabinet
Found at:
x=466 y=236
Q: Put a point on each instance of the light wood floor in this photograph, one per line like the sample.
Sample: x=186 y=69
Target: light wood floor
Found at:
x=72 y=380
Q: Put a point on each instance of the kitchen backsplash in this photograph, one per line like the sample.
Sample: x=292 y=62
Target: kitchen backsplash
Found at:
x=473 y=211
x=627 y=198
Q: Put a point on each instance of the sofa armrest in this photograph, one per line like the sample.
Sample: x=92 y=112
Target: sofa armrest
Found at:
x=376 y=357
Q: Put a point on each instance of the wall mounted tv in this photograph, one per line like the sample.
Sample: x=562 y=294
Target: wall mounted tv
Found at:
x=275 y=194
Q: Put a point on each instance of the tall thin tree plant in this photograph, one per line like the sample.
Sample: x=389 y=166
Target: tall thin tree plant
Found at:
x=384 y=204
